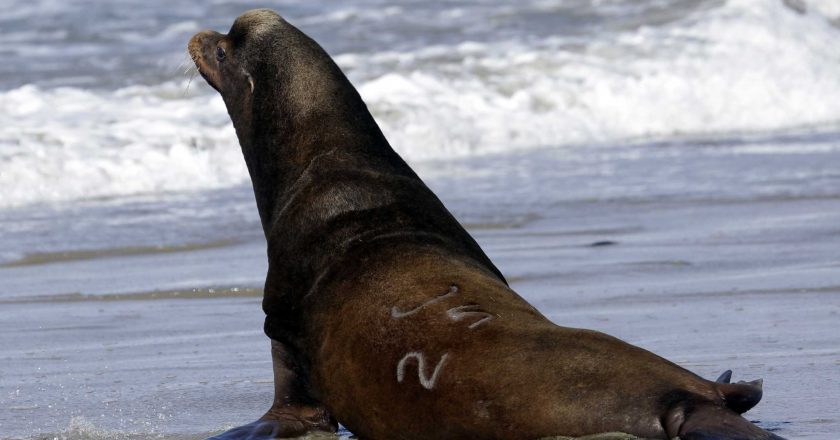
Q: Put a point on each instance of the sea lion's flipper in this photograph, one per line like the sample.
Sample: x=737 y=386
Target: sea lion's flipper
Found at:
x=741 y=396
x=707 y=421
x=258 y=430
x=725 y=377
x=294 y=412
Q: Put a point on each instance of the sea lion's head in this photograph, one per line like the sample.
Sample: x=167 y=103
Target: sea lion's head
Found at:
x=272 y=77
x=223 y=59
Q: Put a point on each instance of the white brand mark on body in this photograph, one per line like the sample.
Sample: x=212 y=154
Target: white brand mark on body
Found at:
x=469 y=311
x=396 y=313
x=428 y=382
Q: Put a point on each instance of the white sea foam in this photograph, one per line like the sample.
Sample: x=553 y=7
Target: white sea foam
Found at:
x=750 y=66
x=80 y=428
x=71 y=143
x=747 y=66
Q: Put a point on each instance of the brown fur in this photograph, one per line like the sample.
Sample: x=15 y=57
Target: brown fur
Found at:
x=383 y=312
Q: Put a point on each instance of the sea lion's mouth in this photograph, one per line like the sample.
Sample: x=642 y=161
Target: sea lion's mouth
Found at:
x=207 y=78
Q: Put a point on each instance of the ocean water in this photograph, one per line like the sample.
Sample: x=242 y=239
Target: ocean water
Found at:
x=700 y=137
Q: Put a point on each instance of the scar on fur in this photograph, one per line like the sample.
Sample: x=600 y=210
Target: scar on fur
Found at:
x=469 y=311
x=425 y=380
x=396 y=313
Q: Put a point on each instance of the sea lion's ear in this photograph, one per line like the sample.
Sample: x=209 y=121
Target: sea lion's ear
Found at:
x=248 y=77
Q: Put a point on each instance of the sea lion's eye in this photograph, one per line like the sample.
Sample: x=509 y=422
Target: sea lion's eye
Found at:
x=220 y=53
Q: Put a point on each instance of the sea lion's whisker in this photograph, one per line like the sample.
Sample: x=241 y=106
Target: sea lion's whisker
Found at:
x=191 y=69
x=183 y=63
x=187 y=89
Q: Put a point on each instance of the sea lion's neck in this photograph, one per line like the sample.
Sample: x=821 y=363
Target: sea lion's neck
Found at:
x=314 y=110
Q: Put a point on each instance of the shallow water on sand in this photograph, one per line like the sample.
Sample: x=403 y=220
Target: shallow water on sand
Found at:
x=666 y=172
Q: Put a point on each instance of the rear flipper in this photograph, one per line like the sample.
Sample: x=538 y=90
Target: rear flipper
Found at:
x=741 y=396
x=707 y=421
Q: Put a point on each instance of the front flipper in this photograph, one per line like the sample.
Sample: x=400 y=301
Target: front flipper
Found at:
x=289 y=423
x=294 y=412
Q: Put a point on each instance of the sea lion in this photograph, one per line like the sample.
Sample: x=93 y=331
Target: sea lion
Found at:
x=383 y=312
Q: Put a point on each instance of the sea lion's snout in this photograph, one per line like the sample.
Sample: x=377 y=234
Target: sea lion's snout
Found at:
x=206 y=52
